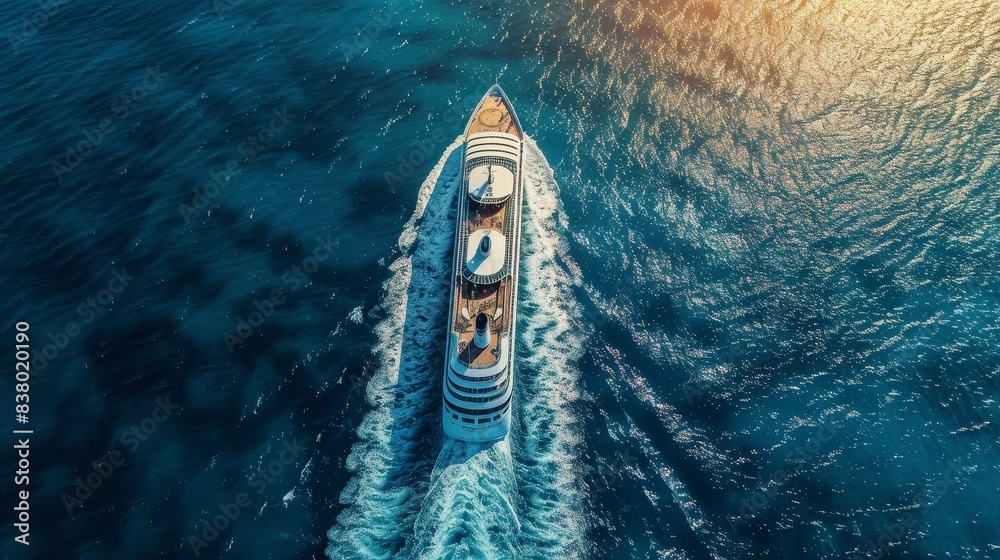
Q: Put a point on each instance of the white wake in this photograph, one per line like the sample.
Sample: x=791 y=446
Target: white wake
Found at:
x=417 y=494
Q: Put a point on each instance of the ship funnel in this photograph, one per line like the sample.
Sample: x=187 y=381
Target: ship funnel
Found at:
x=484 y=245
x=482 y=337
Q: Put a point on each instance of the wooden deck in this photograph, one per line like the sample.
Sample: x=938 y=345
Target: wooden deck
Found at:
x=472 y=355
x=493 y=116
x=488 y=217
x=471 y=300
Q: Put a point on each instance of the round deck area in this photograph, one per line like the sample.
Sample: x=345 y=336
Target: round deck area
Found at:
x=484 y=256
x=482 y=188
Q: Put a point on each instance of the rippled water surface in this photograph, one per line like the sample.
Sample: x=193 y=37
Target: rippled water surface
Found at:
x=758 y=305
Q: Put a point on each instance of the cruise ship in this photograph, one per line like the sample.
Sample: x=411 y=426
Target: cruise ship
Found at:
x=478 y=385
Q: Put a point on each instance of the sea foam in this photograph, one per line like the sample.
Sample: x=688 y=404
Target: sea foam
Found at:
x=418 y=494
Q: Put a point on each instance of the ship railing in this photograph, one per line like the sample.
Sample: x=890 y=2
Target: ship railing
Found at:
x=486 y=278
x=490 y=200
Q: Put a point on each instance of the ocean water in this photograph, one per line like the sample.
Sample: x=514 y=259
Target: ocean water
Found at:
x=758 y=306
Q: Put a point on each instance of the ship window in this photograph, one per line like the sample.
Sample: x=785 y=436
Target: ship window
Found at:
x=480 y=412
x=475 y=399
x=491 y=389
x=471 y=378
x=455 y=416
x=483 y=420
x=469 y=420
x=497 y=417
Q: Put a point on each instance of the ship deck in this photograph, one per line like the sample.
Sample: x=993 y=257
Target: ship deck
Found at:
x=470 y=299
x=493 y=116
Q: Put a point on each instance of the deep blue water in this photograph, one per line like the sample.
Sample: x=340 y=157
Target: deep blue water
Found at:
x=758 y=299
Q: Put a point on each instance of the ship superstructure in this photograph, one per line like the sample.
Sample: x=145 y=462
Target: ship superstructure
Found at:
x=479 y=359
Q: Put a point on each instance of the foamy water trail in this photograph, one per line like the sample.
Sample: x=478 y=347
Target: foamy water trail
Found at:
x=387 y=461
x=469 y=511
x=551 y=339
x=416 y=494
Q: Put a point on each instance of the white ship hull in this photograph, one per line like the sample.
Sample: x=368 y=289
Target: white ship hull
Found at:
x=478 y=383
